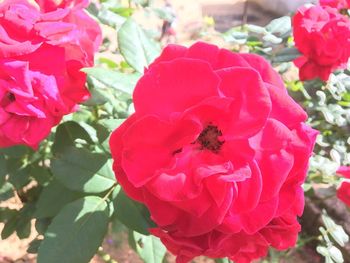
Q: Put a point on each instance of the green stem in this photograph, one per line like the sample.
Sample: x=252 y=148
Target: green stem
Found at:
x=109 y=192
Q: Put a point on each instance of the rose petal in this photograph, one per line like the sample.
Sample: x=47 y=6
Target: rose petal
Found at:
x=183 y=78
x=251 y=98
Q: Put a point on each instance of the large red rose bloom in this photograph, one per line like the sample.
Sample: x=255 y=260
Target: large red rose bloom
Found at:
x=217 y=150
x=322 y=35
x=42 y=49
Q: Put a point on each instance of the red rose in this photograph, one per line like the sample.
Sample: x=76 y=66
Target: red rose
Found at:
x=343 y=193
x=344 y=171
x=41 y=54
x=322 y=35
x=339 y=4
x=51 y=5
x=217 y=151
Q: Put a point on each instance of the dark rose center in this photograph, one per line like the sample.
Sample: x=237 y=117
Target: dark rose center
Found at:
x=344 y=11
x=209 y=138
x=7 y=99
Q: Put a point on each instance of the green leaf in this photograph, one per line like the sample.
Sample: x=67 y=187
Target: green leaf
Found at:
x=164 y=14
x=111 y=124
x=54 y=193
x=286 y=55
x=98 y=97
x=256 y=29
x=18 y=175
x=66 y=134
x=32 y=194
x=109 y=62
x=150 y=248
x=6 y=191
x=23 y=226
x=322 y=251
x=346 y=96
x=103 y=135
x=16 y=151
x=109 y=18
x=112 y=196
x=272 y=39
x=143 y=3
x=336 y=231
x=335 y=254
x=3 y=169
x=10 y=225
x=281 y=26
x=93 y=9
x=76 y=232
x=40 y=174
x=41 y=225
x=344 y=103
x=34 y=246
x=132 y=214
x=7 y=213
x=122 y=11
x=19 y=222
x=124 y=82
x=222 y=260
x=137 y=49
x=235 y=36
x=83 y=171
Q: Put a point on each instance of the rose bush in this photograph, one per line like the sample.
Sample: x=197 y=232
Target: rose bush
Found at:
x=41 y=54
x=322 y=35
x=343 y=192
x=217 y=151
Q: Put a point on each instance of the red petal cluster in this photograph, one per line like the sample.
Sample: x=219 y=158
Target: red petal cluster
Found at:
x=339 y=4
x=322 y=35
x=42 y=49
x=343 y=192
x=217 y=151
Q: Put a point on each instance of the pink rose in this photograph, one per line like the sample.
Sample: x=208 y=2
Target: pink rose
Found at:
x=41 y=54
x=51 y=5
x=217 y=150
x=339 y=4
x=322 y=35
x=343 y=192
x=344 y=171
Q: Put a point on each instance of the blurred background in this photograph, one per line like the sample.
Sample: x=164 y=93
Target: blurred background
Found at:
x=190 y=16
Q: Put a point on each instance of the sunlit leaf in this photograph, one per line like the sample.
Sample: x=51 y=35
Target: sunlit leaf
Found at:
x=76 y=232
x=124 y=82
x=150 y=248
x=83 y=171
x=132 y=214
x=135 y=46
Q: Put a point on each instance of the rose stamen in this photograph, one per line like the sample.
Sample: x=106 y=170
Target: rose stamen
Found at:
x=209 y=138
